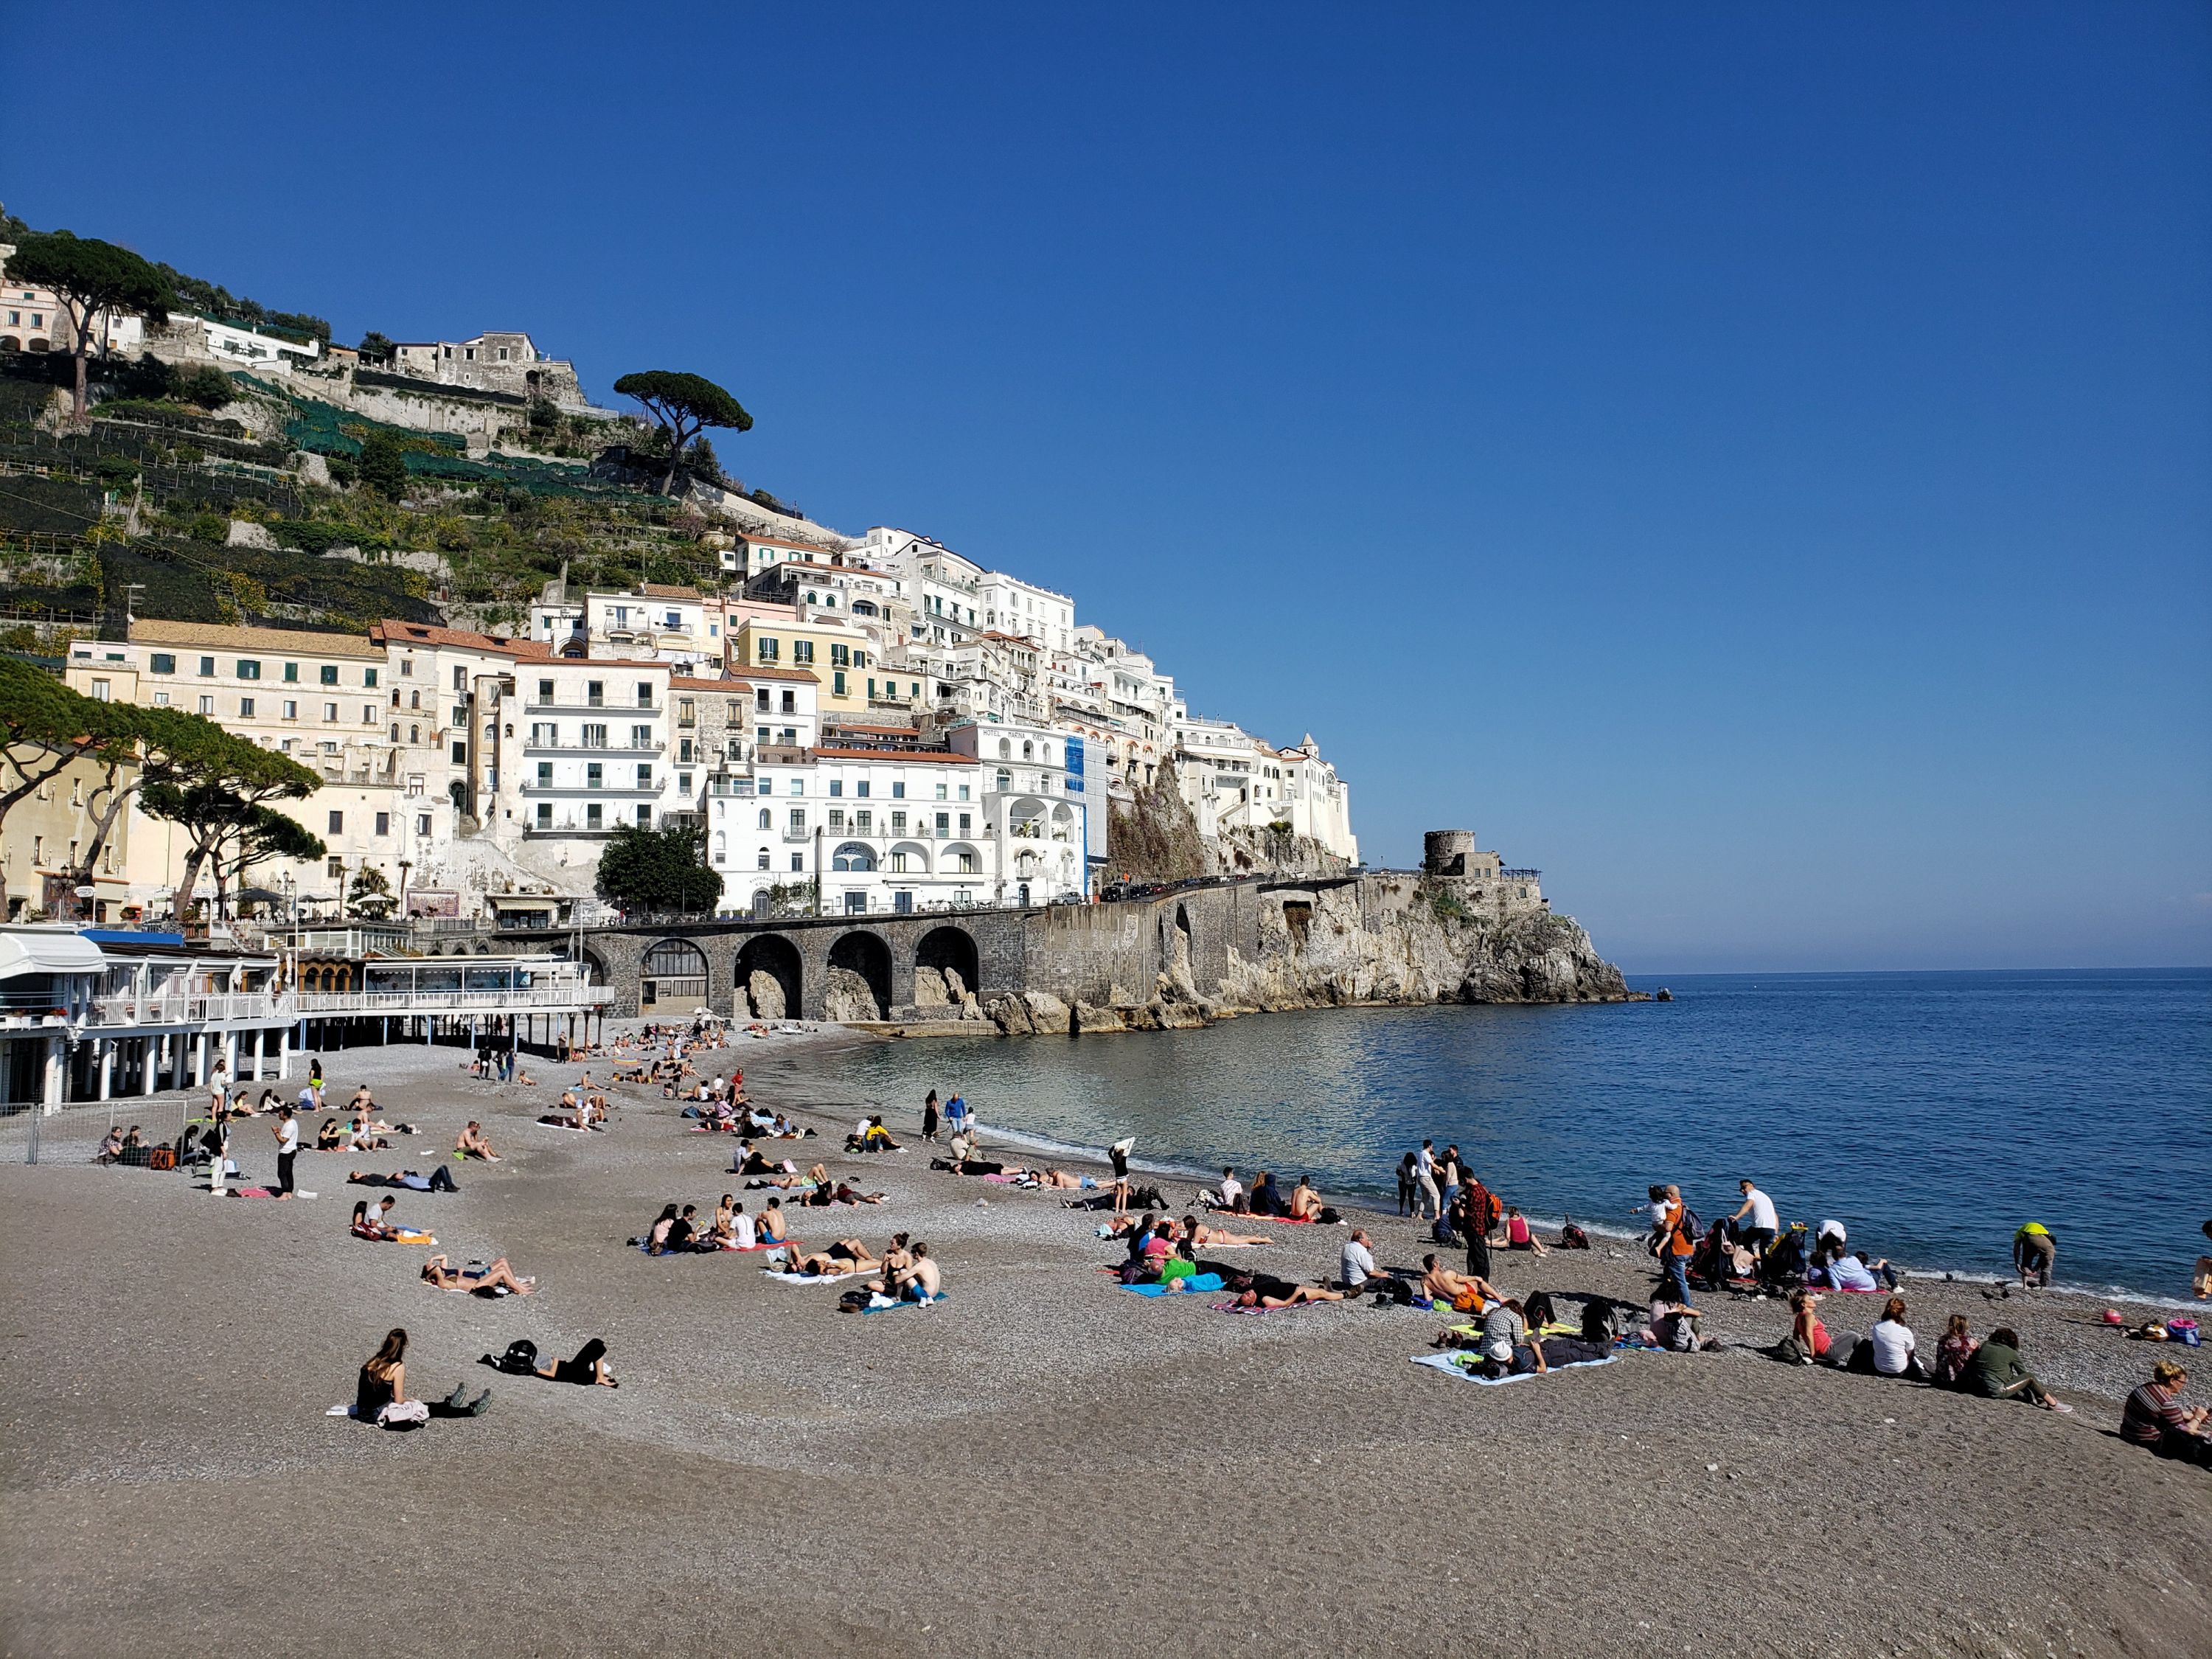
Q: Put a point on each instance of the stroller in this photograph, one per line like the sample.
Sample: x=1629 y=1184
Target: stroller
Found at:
x=1788 y=1261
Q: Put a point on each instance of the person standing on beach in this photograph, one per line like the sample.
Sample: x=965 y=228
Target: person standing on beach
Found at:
x=929 y=1116
x=1409 y=1185
x=1764 y=1227
x=1119 y=1153
x=955 y=1115
x=1472 y=1218
x=2034 y=1252
x=286 y=1128
x=1424 y=1167
x=1672 y=1243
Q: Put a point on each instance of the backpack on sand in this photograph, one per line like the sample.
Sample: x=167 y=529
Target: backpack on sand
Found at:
x=519 y=1359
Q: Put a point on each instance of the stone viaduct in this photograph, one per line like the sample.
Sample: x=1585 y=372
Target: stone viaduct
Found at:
x=1105 y=954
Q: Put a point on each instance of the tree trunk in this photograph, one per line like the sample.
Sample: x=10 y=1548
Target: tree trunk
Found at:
x=103 y=822
x=180 y=904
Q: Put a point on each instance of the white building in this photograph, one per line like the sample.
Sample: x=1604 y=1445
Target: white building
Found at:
x=249 y=348
x=593 y=753
x=1039 y=806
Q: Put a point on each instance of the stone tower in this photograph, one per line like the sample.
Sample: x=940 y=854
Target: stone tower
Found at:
x=1448 y=852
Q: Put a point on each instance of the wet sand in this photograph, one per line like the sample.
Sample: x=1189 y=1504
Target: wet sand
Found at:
x=1041 y=1463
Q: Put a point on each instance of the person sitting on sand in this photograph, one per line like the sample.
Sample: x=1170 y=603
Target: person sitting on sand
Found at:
x=111 y=1148
x=1809 y=1338
x=373 y=1221
x=1673 y=1326
x=2200 y=1282
x=2154 y=1418
x=486 y=1281
x=363 y=1103
x=752 y=1162
x=1845 y=1270
x=363 y=1139
x=655 y=1241
x=1890 y=1345
x=329 y=1137
x=918 y=1281
x=1265 y=1290
x=380 y=1391
x=1356 y=1268
x=1953 y=1353
x=1998 y=1372
x=775 y=1225
x=2034 y=1253
x=1519 y=1236
x=588 y=1369
x=1305 y=1202
x=1505 y=1339
x=472 y=1143
x=847 y=1256
x=720 y=1234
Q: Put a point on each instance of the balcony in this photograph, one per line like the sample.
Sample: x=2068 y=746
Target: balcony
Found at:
x=533 y=787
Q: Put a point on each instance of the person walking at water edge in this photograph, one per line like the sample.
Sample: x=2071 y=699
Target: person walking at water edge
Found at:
x=1424 y=1167
x=2034 y=1253
x=1762 y=1226
x=929 y=1116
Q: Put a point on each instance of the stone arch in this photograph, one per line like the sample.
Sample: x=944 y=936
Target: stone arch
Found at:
x=673 y=973
x=946 y=968
x=768 y=978
x=853 y=855
x=859 y=978
x=908 y=858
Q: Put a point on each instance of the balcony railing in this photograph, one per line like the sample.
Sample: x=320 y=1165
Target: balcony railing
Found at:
x=319 y=1004
x=192 y=1009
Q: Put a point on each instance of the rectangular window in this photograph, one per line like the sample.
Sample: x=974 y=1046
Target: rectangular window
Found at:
x=460 y=754
x=768 y=650
x=545 y=815
x=684 y=783
x=898 y=823
x=384 y=824
x=595 y=776
x=422 y=823
x=291 y=673
x=644 y=817
x=595 y=818
x=797 y=864
x=940 y=792
x=790 y=737
x=337 y=823
x=686 y=711
x=967 y=822
x=245 y=704
x=837 y=682
x=898 y=792
x=165 y=662
x=864 y=821
x=944 y=824
x=644 y=775
x=802 y=651
x=862 y=789
x=837 y=787
x=206 y=705
x=836 y=820
x=640 y=737
x=595 y=693
x=684 y=754
x=248 y=668
x=872 y=689
x=162 y=699
x=369 y=713
x=337 y=868
x=841 y=656
x=545 y=774
x=963 y=795
x=799 y=820
x=645 y=694
x=798 y=786
x=545 y=692
x=595 y=737
x=207 y=667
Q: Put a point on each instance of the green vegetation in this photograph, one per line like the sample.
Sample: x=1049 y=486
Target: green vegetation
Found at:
x=92 y=279
x=659 y=871
x=681 y=405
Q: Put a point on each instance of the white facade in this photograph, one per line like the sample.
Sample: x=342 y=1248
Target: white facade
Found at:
x=881 y=832
x=248 y=349
x=1049 y=825
x=592 y=748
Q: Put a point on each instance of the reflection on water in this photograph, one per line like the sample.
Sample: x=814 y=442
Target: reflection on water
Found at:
x=1932 y=1112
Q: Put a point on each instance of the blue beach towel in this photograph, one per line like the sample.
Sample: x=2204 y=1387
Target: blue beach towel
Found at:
x=1194 y=1282
x=902 y=1303
x=1450 y=1365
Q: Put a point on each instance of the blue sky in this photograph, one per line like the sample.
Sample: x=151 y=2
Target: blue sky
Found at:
x=1754 y=463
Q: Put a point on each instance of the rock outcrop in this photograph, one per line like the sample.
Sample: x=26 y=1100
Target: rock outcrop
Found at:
x=1415 y=947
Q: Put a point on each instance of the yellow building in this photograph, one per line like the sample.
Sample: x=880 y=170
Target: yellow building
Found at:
x=840 y=655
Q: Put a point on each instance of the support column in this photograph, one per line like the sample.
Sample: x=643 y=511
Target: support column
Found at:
x=57 y=1073
x=149 y=1064
x=260 y=1042
x=230 y=1057
x=200 y=1070
x=106 y=1068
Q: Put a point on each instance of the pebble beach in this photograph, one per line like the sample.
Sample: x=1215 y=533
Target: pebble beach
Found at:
x=1040 y=1463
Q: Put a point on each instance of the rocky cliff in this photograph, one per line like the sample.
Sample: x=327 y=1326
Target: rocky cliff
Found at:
x=1407 y=942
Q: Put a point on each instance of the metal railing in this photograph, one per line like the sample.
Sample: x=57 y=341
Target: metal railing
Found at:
x=191 y=1008
x=314 y=1005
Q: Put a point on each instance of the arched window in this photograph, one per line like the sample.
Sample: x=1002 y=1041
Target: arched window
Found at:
x=1005 y=780
x=853 y=855
x=1027 y=748
x=766 y=819
x=722 y=845
x=1005 y=750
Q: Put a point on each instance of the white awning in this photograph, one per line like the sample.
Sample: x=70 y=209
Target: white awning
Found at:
x=45 y=951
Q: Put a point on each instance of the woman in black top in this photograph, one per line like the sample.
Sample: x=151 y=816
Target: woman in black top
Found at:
x=929 y=1116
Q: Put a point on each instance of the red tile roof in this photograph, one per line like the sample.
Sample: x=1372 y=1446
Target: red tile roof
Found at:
x=931 y=757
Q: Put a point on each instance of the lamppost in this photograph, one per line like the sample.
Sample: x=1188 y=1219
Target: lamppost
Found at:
x=405 y=865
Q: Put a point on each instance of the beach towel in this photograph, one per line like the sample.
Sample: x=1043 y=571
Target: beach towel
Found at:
x=769 y=1244
x=1193 y=1282
x=782 y=1277
x=1234 y=1308
x=879 y=1304
x=261 y=1192
x=1285 y=1220
x=1450 y=1365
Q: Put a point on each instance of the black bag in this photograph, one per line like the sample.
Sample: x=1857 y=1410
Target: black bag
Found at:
x=1572 y=1237
x=520 y=1358
x=1329 y=1215
x=1601 y=1321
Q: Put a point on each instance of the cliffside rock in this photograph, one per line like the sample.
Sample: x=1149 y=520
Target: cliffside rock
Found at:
x=849 y=997
x=1402 y=945
x=1047 y=1014
x=764 y=992
x=1091 y=1020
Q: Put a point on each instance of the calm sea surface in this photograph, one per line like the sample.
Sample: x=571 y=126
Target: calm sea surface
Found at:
x=1930 y=1113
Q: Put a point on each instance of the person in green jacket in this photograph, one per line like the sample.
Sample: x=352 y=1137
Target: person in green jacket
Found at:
x=1997 y=1372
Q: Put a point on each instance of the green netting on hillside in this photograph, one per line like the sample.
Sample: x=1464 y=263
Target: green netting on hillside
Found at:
x=325 y=429
x=202 y=581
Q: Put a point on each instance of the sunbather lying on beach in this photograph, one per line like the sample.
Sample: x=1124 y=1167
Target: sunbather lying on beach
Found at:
x=439 y=1180
x=588 y=1368
x=751 y=1162
x=847 y=1256
x=484 y=1281
x=1464 y=1291
x=1059 y=1179
x=1265 y=1290
x=1196 y=1232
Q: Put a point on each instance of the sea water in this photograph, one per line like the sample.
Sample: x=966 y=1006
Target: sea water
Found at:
x=1931 y=1114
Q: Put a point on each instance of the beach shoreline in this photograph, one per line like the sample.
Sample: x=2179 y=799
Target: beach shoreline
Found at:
x=1003 y=1472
